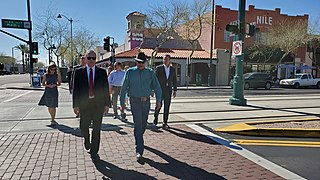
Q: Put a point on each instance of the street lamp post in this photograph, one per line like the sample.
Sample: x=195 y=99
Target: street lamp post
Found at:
x=70 y=20
x=50 y=52
x=237 y=96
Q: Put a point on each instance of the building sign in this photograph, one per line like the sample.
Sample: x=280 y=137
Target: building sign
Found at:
x=237 y=48
x=136 y=36
x=264 y=20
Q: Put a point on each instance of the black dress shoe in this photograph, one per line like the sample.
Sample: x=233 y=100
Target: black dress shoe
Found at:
x=155 y=121
x=165 y=126
x=95 y=157
x=87 y=144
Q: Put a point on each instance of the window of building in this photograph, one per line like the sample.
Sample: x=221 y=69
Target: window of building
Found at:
x=257 y=37
x=226 y=36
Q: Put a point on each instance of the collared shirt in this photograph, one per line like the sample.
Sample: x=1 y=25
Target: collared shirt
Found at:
x=140 y=83
x=116 y=77
x=167 y=69
x=88 y=72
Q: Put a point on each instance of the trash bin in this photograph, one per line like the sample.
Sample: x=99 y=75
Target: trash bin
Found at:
x=36 y=81
x=63 y=71
x=198 y=80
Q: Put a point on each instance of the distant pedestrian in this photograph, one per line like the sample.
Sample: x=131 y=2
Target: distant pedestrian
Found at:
x=109 y=70
x=91 y=99
x=127 y=97
x=51 y=80
x=139 y=82
x=166 y=75
x=71 y=73
x=69 y=77
x=115 y=81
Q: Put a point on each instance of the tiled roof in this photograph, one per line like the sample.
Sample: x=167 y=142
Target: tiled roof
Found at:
x=174 y=53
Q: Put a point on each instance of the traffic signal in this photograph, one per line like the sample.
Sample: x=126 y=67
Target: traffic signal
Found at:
x=250 y=29
x=232 y=28
x=106 y=44
x=34 y=48
x=34 y=60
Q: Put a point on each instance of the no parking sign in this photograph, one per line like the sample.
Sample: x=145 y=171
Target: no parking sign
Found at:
x=237 y=48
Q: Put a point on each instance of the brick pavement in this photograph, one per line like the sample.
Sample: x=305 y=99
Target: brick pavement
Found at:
x=180 y=153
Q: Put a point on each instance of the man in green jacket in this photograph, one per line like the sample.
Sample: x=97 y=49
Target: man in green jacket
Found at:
x=139 y=82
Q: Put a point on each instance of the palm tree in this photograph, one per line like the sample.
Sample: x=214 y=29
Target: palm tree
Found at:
x=24 y=50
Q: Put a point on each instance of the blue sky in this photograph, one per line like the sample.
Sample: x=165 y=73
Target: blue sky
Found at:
x=107 y=17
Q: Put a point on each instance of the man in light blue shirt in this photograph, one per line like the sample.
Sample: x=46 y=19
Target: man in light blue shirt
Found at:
x=115 y=81
x=139 y=82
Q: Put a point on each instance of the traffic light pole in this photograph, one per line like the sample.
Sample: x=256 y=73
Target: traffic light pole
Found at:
x=30 y=39
x=238 y=83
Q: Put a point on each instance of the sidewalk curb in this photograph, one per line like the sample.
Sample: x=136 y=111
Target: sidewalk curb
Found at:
x=248 y=128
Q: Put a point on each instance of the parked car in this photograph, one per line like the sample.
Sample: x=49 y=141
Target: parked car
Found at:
x=256 y=80
x=5 y=72
x=301 y=80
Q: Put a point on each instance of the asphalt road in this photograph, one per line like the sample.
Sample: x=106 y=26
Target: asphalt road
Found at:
x=257 y=92
x=304 y=161
x=14 y=78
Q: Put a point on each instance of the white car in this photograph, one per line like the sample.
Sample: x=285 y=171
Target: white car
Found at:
x=301 y=80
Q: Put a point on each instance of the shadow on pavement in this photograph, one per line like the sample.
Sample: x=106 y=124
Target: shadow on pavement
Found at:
x=111 y=171
x=220 y=140
x=76 y=131
x=190 y=135
x=285 y=110
x=178 y=169
x=111 y=127
x=66 y=129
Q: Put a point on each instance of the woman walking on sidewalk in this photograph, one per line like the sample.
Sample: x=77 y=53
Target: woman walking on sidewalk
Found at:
x=51 y=80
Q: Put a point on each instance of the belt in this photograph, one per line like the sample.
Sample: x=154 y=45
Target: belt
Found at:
x=141 y=98
x=117 y=86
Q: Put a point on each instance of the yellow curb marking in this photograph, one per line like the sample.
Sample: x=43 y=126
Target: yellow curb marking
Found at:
x=276 y=143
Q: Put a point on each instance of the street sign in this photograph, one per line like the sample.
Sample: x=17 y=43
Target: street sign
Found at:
x=18 y=24
x=237 y=48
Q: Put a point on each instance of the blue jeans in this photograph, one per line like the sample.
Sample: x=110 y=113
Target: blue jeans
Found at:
x=140 y=111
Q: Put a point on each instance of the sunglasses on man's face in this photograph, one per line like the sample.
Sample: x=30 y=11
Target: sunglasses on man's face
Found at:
x=140 y=62
x=91 y=58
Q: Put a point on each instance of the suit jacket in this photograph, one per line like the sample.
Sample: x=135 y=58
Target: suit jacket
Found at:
x=171 y=82
x=80 y=95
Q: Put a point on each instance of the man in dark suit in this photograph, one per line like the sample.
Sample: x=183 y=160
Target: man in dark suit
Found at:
x=168 y=82
x=91 y=99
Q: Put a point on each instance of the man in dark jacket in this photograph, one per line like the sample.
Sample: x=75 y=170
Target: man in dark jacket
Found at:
x=91 y=100
x=168 y=82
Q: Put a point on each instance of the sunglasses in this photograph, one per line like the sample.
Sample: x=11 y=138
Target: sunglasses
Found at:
x=140 y=62
x=91 y=58
x=53 y=69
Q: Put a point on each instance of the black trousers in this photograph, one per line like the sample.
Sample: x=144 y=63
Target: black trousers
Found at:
x=93 y=113
x=166 y=100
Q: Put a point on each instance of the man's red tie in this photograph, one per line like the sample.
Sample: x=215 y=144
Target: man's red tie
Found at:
x=91 y=92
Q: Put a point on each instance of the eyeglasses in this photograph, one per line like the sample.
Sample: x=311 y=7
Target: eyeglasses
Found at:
x=91 y=58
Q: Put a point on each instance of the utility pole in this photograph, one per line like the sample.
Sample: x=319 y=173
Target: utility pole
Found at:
x=211 y=47
x=237 y=96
